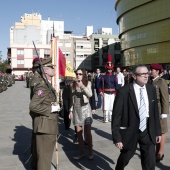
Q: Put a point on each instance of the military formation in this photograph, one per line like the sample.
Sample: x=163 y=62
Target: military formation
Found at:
x=6 y=80
x=29 y=76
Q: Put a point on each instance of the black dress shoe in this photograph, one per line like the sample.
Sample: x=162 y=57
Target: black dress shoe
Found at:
x=75 y=140
x=159 y=158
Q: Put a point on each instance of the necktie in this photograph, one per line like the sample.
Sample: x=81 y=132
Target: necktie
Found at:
x=142 y=111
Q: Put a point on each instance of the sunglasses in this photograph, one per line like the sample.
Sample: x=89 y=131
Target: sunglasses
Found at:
x=142 y=74
x=80 y=74
x=51 y=67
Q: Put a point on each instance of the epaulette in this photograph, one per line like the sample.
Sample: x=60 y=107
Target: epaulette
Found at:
x=35 y=85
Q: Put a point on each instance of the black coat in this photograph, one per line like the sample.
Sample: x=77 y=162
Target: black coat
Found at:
x=97 y=83
x=92 y=100
x=126 y=114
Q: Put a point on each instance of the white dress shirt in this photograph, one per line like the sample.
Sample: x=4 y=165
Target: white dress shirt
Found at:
x=120 y=78
x=137 y=93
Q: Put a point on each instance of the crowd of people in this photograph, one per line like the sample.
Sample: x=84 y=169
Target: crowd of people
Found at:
x=136 y=103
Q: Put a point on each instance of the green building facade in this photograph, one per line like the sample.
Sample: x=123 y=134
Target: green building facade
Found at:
x=144 y=31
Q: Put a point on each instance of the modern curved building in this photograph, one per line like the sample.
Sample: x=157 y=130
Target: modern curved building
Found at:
x=144 y=31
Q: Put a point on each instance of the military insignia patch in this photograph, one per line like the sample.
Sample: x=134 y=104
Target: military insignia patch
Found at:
x=40 y=93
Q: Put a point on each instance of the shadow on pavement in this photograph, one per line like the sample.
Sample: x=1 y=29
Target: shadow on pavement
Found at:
x=102 y=133
x=99 y=162
x=161 y=166
x=97 y=117
x=22 y=137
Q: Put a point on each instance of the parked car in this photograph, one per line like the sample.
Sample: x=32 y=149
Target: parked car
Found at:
x=19 y=78
x=16 y=78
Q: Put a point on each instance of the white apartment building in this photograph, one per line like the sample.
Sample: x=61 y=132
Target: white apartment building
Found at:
x=82 y=48
x=65 y=43
x=31 y=28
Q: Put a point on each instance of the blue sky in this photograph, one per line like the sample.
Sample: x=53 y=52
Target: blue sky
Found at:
x=76 y=15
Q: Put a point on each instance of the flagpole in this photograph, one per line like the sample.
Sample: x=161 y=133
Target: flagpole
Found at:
x=57 y=88
x=55 y=81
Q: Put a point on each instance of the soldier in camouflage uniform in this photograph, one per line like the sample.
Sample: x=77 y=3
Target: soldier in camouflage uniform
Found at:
x=1 y=83
x=163 y=106
x=46 y=118
x=4 y=80
x=13 y=78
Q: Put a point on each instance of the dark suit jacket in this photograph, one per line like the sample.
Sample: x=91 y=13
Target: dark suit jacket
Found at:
x=92 y=98
x=126 y=114
x=97 y=83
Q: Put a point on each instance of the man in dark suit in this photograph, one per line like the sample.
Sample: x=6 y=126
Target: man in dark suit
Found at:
x=97 y=86
x=67 y=103
x=135 y=120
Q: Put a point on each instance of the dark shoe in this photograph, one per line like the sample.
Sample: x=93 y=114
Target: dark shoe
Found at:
x=33 y=167
x=91 y=156
x=79 y=157
x=67 y=128
x=159 y=158
x=98 y=107
x=86 y=144
x=75 y=139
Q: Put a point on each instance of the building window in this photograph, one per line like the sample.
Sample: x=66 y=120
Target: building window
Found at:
x=66 y=53
x=60 y=44
x=35 y=53
x=85 y=55
x=20 y=52
x=46 y=53
x=20 y=61
x=67 y=44
x=79 y=56
x=79 y=47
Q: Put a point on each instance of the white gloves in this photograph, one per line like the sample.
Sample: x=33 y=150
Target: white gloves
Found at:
x=163 y=116
x=55 y=108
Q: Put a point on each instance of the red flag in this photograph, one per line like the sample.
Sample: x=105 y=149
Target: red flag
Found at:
x=62 y=63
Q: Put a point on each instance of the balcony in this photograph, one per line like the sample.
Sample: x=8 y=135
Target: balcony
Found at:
x=96 y=46
x=9 y=55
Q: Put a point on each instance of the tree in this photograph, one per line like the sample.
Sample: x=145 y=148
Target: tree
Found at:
x=4 y=66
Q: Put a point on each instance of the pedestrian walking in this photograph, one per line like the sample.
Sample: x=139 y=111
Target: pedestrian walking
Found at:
x=136 y=120
x=97 y=86
x=120 y=77
x=67 y=103
x=81 y=113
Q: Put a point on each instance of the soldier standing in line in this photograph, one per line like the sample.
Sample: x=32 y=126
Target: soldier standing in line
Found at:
x=36 y=78
x=108 y=87
x=46 y=118
x=163 y=106
x=13 y=78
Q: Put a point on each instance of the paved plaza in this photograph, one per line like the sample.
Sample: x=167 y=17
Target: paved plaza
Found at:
x=15 y=138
